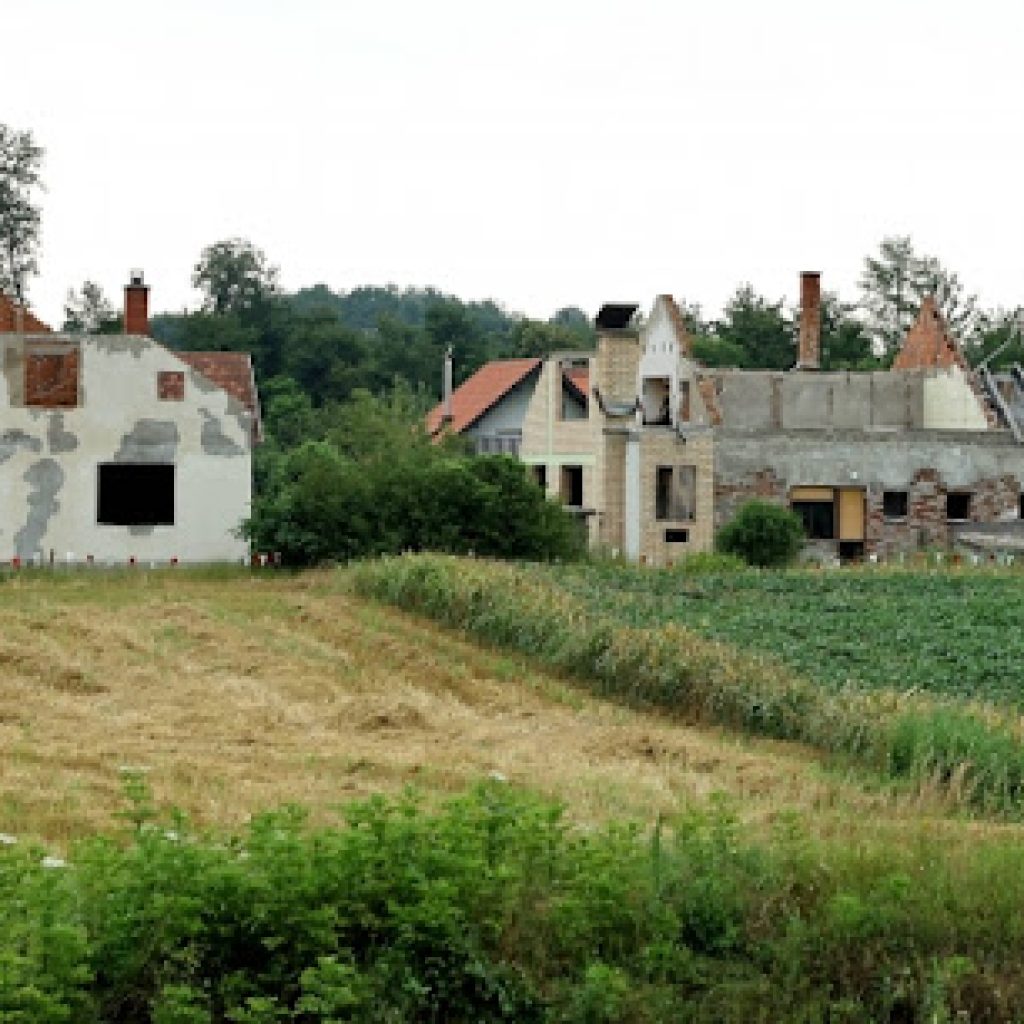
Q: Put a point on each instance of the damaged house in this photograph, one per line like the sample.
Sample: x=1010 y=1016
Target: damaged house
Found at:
x=114 y=448
x=656 y=451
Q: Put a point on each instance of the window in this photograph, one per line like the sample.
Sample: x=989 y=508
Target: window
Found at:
x=51 y=376
x=1020 y=505
x=170 y=386
x=818 y=517
x=540 y=476
x=135 y=494
x=894 y=504
x=677 y=536
x=958 y=505
x=571 y=490
x=656 y=401
x=675 y=492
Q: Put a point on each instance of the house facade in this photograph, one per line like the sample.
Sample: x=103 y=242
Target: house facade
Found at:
x=114 y=448
x=656 y=452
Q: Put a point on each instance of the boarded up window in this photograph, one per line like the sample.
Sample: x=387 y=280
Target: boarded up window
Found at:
x=51 y=376
x=170 y=386
x=675 y=493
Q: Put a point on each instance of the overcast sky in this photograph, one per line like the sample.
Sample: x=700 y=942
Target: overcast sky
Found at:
x=541 y=153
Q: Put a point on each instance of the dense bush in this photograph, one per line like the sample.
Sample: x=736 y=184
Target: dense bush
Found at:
x=495 y=909
x=325 y=506
x=762 y=534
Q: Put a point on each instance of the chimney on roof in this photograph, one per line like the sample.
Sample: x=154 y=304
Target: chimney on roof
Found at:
x=136 y=304
x=809 y=348
x=446 y=414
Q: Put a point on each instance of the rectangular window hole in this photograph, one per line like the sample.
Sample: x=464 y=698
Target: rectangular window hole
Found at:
x=894 y=504
x=135 y=494
x=677 y=536
x=958 y=505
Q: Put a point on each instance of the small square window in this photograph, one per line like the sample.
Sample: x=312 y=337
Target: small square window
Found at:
x=894 y=504
x=958 y=505
x=170 y=385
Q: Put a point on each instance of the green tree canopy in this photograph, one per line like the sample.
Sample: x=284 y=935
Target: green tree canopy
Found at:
x=89 y=311
x=234 y=275
x=20 y=163
x=759 y=328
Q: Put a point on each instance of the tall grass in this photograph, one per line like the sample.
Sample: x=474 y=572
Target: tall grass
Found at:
x=973 y=753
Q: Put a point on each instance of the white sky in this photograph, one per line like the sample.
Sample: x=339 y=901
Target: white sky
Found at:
x=539 y=152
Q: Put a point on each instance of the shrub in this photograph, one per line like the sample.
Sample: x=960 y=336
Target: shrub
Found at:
x=762 y=534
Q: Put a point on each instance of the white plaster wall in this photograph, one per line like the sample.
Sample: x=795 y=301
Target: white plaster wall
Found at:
x=660 y=356
x=950 y=404
x=49 y=460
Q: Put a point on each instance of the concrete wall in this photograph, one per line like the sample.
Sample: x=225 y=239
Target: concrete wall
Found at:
x=894 y=400
x=49 y=458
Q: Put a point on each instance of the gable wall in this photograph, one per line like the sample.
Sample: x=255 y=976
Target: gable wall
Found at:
x=49 y=458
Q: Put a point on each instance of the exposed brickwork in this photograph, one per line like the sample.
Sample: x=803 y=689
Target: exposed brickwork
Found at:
x=809 y=346
x=764 y=485
x=9 y=319
x=170 y=386
x=51 y=377
x=928 y=342
x=926 y=525
x=678 y=325
x=709 y=395
x=136 y=309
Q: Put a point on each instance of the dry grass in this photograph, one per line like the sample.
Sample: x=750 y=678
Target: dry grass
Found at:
x=243 y=693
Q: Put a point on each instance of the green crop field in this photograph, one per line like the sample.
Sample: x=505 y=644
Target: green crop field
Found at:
x=946 y=632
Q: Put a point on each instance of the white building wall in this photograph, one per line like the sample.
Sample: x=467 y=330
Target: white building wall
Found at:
x=49 y=460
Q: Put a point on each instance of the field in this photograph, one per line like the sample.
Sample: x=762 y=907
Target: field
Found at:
x=948 y=632
x=739 y=841
x=239 y=693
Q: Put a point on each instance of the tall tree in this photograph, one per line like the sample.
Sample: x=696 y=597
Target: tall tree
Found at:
x=895 y=283
x=845 y=342
x=234 y=276
x=20 y=162
x=758 y=328
x=88 y=311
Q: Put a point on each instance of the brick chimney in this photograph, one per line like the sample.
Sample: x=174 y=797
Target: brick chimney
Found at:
x=809 y=348
x=136 y=305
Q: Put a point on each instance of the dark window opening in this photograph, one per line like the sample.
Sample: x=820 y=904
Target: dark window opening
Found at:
x=684 y=401
x=656 y=401
x=675 y=495
x=1020 y=505
x=851 y=551
x=677 y=536
x=894 y=504
x=572 y=486
x=130 y=494
x=540 y=476
x=818 y=517
x=958 y=505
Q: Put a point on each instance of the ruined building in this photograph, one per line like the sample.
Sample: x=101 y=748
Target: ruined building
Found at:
x=656 y=451
x=113 y=448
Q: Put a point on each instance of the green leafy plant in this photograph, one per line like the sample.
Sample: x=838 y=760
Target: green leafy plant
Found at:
x=762 y=534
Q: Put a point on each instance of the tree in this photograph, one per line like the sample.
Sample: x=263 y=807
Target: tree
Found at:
x=896 y=282
x=88 y=311
x=845 y=342
x=234 y=275
x=759 y=328
x=20 y=161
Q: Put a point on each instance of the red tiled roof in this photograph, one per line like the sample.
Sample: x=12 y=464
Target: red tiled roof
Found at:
x=9 y=319
x=473 y=397
x=231 y=371
x=579 y=377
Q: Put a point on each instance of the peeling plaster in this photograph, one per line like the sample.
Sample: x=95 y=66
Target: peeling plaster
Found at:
x=46 y=478
x=13 y=440
x=118 y=344
x=59 y=439
x=214 y=440
x=149 y=441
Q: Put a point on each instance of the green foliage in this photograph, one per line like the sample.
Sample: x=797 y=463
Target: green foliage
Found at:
x=20 y=161
x=616 y=629
x=234 y=275
x=493 y=909
x=89 y=312
x=759 y=328
x=762 y=534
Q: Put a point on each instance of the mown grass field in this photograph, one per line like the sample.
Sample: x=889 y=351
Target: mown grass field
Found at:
x=241 y=692
x=951 y=632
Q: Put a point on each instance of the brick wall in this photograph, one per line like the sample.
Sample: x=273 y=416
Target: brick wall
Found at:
x=51 y=377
